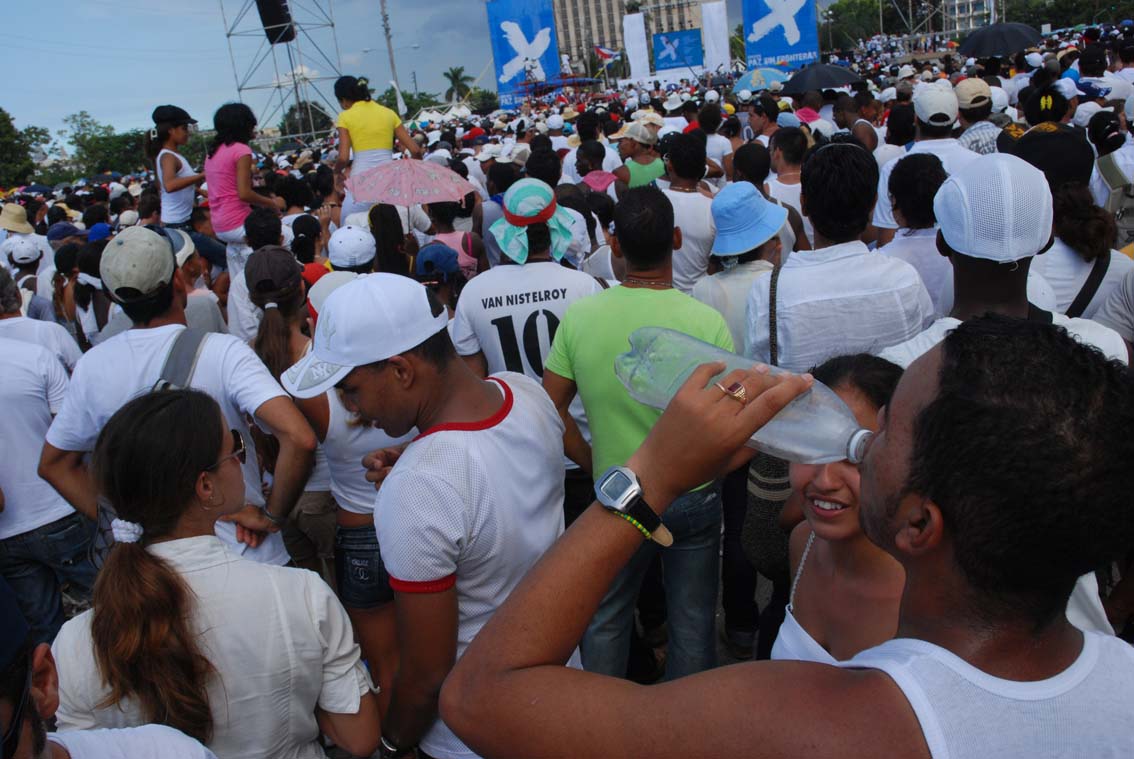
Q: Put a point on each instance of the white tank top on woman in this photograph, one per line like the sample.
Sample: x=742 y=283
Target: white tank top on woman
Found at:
x=964 y=713
x=176 y=206
x=344 y=447
x=793 y=643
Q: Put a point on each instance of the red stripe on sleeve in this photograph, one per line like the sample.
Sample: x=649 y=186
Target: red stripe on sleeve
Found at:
x=426 y=586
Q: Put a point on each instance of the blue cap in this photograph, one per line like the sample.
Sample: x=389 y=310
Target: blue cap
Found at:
x=1093 y=91
x=100 y=231
x=436 y=260
x=787 y=119
x=745 y=219
x=1127 y=22
x=61 y=230
x=14 y=631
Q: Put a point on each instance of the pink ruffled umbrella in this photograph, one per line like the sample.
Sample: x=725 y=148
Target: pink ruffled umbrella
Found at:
x=408 y=183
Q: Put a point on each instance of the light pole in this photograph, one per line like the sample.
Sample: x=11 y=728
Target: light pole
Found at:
x=394 y=71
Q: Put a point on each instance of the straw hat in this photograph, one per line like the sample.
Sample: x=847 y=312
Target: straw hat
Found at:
x=14 y=218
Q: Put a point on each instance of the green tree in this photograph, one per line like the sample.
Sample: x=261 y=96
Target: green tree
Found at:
x=459 y=83
x=17 y=150
x=299 y=119
x=482 y=101
x=852 y=20
x=736 y=47
x=99 y=148
x=414 y=102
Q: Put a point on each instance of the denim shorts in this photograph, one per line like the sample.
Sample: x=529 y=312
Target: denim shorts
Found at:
x=359 y=572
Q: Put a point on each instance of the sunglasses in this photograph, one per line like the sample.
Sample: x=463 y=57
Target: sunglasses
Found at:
x=12 y=736
x=238 y=451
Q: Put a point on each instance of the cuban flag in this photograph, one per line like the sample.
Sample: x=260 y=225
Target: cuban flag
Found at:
x=606 y=55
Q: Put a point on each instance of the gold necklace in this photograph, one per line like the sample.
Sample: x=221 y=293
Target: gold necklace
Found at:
x=661 y=284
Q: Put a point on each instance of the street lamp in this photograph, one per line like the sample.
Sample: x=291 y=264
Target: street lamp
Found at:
x=393 y=71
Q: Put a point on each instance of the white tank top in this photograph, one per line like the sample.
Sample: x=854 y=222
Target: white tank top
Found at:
x=964 y=713
x=176 y=206
x=345 y=446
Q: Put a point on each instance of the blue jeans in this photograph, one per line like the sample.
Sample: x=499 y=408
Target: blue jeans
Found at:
x=37 y=563
x=691 y=571
x=360 y=575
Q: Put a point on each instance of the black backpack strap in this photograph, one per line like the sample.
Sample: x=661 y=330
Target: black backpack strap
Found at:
x=182 y=360
x=773 y=335
x=1090 y=287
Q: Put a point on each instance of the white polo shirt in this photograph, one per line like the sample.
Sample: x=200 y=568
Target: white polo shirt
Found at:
x=33 y=384
x=834 y=301
x=129 y=364
x=953 y=157
x=474 y=506
x=50 y=335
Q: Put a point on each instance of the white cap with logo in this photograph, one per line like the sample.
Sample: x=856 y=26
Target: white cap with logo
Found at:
x=997 y=207
x=370 y=319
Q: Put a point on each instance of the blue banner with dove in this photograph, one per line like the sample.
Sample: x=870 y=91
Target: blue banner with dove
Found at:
x=783 y=33
x=524 y=46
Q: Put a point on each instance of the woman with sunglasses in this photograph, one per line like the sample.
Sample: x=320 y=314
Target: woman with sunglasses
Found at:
x=176 y=180
x=252 y=660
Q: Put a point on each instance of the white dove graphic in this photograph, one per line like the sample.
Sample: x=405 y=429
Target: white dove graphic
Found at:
x=782 y=14
x=527 y=53
x=670 y=48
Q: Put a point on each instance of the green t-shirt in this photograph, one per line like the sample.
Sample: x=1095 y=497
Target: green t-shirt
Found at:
x=595 y=331
x=642 y=174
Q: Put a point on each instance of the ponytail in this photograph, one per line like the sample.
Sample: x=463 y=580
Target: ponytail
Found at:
x=307 y=230
x=352 y=88
x=389 y=240
x=154 y=140
x=1080 y=224
x=147 y=461
x=273 y=339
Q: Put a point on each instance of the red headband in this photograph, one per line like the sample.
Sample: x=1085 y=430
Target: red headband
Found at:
x=527 y=221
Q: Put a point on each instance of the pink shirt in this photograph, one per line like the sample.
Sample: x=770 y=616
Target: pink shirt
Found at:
x=228 y=210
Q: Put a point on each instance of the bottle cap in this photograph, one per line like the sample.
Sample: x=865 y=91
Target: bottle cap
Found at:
x=856 y=448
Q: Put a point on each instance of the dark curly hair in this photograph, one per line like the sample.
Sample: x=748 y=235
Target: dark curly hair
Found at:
x=1026 y=450
x=914 y=181
x=839 y=185
x=1084 y=227
x=233 y=122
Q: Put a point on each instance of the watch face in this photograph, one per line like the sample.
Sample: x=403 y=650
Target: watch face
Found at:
x=614 y=486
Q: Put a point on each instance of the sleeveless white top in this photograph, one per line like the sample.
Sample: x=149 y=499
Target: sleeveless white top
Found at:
x=176 y=206
x=793 y=643
x=964 y=713
x=344 y=447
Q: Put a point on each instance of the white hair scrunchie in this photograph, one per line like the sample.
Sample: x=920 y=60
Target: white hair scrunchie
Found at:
x=271 y=304
x=126 y=532
x=90 y=280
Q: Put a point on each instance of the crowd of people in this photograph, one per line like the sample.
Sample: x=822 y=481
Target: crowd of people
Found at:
x=292 y=473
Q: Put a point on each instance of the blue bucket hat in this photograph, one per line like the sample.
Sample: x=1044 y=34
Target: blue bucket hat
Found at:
x=528 y=202
x=745 y=219
x=436 y=262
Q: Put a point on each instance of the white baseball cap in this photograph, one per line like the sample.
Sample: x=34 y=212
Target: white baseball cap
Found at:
x=997 y=207
x=127 y=218
x=488 y=152
x=555 y=121
x=906 y=71
x=326 y=285
x=23 y=250
x=115 y=189
x=351 y=246
x=999 y=99
x=369 y=319
x=1128 y=109
x=712 y=96
x=1067 y=88
x=744 y=96
x=1035 y=60
x=936 y=106
x=888 y=94
x=137 y=263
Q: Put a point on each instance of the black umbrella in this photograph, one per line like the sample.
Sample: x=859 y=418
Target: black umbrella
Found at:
x=1000 y=39
x=36 y=189
x=819 y=76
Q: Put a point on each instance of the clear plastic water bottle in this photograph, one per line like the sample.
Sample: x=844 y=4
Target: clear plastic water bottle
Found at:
x=815 y=428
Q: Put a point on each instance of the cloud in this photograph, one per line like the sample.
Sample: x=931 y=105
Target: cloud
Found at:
x=299 y=73
x=352 y=60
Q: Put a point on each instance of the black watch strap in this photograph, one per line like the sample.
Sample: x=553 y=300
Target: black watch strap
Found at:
x=643 y=515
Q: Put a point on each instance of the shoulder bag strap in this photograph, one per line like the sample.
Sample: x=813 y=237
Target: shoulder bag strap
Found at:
x=773 y=337
x=1090 y=287
x=182 y=360
x=602 y=282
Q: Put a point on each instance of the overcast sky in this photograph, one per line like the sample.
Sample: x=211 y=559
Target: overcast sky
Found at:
x=117 y=59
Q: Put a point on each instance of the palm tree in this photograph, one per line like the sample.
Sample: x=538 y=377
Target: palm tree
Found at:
x=736 y=46
x=459 y=83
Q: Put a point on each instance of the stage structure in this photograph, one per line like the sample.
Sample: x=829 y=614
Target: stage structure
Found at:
x=284 y=53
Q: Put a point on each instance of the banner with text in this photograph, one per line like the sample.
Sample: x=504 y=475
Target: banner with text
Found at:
x=678 y=50
x=782 y=33
x=524 y=46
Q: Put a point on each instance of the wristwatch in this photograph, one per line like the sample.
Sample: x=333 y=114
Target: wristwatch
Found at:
x=620 y=493
x=277 y=521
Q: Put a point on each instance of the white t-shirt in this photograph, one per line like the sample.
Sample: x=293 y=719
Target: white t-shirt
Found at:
x=610 y=162
x=511 y=313
x=918 y=248
x=1085 y=330
x=475 y=506
x=692 y=212
x=1066 y=272
x=129 y=364
x=1118 y=311
x=789 y=195
x=48 y=334
x=716 y=148
x=33 y=385
x=558 y=142
x=143 y=742
x=953 y=155
x=727 y=292
x=279 y=640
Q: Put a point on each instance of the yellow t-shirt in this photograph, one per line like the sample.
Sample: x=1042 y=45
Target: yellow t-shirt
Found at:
x=371 y=126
